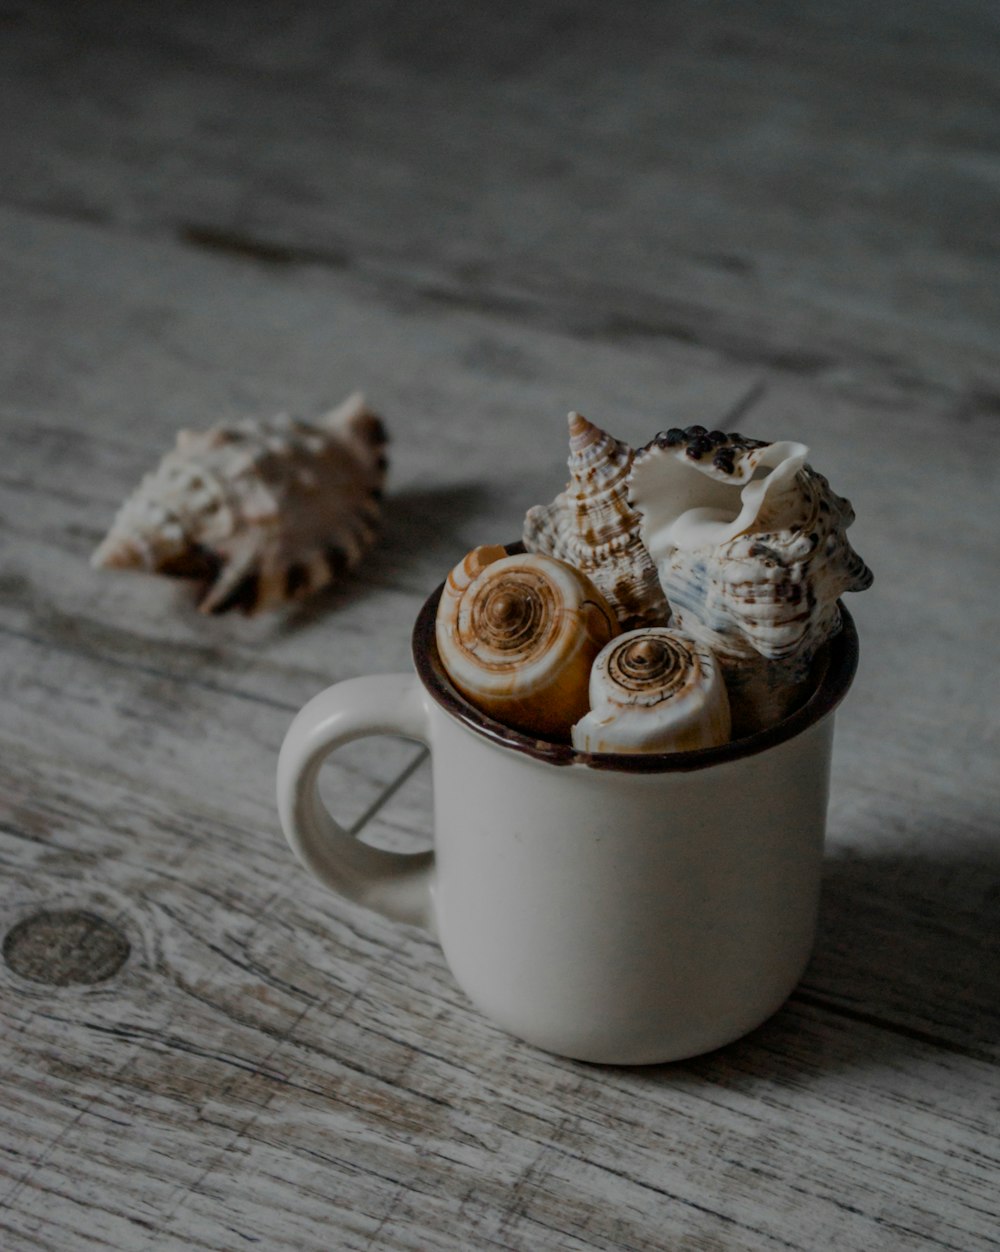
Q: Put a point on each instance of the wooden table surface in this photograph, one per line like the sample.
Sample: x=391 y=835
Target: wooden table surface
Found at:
x=783 y=216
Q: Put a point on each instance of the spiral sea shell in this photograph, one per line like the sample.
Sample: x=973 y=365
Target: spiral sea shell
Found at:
x=263 y=512
x=517 y=636
x=654 y=690
x=592 y=526
x=751 y=548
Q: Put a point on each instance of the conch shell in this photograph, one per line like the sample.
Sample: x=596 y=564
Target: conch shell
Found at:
x=263 y=511
x=654 y=690
x=751 y=548
x=517 y=636
x=592 y=526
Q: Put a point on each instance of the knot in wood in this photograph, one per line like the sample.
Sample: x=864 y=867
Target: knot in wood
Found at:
x=62 y=947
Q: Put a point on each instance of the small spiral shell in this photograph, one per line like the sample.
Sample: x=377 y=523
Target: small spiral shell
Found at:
x=517 y=636
x=654 y=690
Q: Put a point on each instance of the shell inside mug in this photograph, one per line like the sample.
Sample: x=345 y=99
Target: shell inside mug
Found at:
x=834 y=672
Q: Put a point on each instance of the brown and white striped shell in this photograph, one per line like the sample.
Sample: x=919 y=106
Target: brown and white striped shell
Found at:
x=751 y=548
x=592 y=526
x=517 y=635
x=263 y=512
x=654 y=690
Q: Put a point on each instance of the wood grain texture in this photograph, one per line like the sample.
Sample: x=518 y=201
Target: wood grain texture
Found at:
x=811 y=187
x=484 y=218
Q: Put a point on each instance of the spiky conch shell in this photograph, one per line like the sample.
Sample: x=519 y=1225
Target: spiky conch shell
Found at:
x=591 y=526
x=750 y=545
x=654 y=690
x=262 y=511
x=517 y=635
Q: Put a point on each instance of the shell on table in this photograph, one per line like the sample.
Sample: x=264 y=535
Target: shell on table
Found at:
x=261 y=511
x=751 y=549
x=654 y=690
x=591 y=526
x=517 y=636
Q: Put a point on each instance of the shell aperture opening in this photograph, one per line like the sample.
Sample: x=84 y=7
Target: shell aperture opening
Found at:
x=687 y=503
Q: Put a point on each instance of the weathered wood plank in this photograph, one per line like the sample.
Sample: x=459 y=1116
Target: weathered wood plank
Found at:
x=273 y=1065
x=462 y=398
x=810 y=189
x=129 y=623
x=306 y=1075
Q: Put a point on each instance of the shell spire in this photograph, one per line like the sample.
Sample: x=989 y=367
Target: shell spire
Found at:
x=262 y=512
x=592 y=526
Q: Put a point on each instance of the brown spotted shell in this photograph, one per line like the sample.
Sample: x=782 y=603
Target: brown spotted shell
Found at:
x=749 y=541
x=517 y=636
x=751 y=548
x=592 y=526
x=262 y=512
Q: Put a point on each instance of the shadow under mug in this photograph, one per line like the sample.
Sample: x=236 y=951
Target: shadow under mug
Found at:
x=625 y=909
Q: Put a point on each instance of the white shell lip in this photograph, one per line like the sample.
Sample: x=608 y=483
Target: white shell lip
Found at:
x=840 y=655
x=706 y=507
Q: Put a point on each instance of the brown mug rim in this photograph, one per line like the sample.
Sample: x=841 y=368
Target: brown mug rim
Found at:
x=840 y=655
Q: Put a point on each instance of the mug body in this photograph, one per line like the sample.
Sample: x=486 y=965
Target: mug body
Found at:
x=616 y=908
x=626 y=916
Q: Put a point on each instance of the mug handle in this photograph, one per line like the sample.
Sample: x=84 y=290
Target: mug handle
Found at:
x=395 y=884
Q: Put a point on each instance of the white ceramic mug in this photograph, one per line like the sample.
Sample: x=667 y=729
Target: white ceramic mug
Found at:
x=624 y=909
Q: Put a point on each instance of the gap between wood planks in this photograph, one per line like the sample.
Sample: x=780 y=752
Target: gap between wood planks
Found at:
x=548 y=306
x=813 y=1001
x=389 y=791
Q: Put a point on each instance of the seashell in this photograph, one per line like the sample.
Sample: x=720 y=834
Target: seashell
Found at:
x=517 y=635
x=592 y=526
x=654 y=690
x=751 y=549
x=264 y=511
